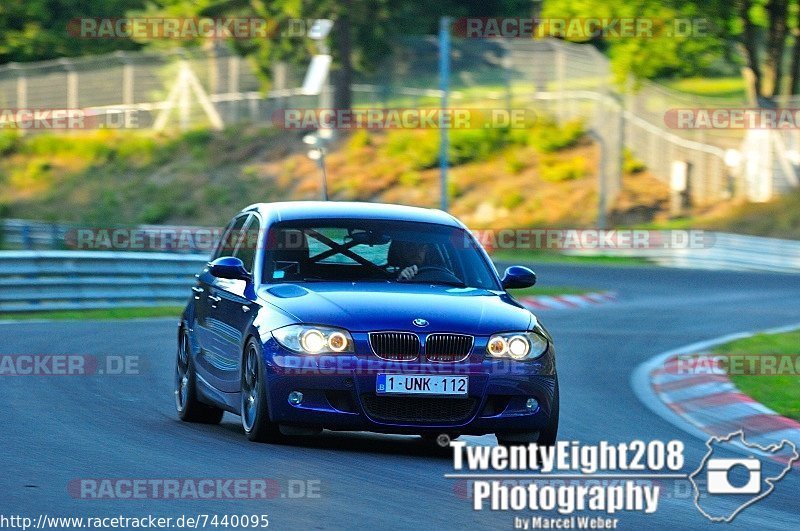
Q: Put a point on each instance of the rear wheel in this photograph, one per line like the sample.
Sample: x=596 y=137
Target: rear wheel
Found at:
x=254 y=410
x=189 y=408
x=546 y=437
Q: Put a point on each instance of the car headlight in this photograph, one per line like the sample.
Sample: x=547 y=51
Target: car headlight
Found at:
x=517 y=345
x=310 y=339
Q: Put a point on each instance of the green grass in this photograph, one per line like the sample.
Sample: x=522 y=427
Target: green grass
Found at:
x=721 y=87
x=549 y=290
x=536 y=256
x=779 y=393
x=110 y=313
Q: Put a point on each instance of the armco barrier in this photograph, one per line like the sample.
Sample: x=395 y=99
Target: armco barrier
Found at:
x=58 y=280
x=732 y=252
x=61 y=280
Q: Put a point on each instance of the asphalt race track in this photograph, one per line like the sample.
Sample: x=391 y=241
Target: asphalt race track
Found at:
x=60 y=428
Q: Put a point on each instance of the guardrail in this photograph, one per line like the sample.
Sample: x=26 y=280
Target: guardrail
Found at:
x=65 y=280
x=62 y=280
x=732 y=252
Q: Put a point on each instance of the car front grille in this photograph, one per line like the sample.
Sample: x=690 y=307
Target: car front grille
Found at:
x=396 y=346
x=418 y=410
x=447 y=347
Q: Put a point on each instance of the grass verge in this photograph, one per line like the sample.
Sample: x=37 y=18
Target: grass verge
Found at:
x=776 y=392
x=534 y=257
x=102 y=314
x=550 y=290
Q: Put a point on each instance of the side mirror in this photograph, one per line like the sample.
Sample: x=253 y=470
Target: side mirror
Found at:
x=228 y=267
x=517 y=277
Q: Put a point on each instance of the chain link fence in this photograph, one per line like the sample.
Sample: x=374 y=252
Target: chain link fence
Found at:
x=554 y=78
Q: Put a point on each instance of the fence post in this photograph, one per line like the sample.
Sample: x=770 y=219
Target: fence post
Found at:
x=72 y=83
x=233 y=86
x=127 y=78
x=22 y=91
x=561 y=66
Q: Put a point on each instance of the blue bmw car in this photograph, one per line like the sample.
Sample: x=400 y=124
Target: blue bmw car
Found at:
x=363 y=317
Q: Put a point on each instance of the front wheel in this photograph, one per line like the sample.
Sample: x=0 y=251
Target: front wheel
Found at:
x=189 y=408
x=254 y=410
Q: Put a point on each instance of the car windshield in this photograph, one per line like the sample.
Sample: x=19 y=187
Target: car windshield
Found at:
x=374 y=250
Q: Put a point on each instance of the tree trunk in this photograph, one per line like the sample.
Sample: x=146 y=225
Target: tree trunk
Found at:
x=342 y=77
x=750 y=51
x=776 y=44
x=794 y=72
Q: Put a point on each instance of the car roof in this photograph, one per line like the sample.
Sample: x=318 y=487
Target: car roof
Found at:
x=300 y=210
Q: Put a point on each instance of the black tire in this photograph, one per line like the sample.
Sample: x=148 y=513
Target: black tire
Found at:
x=189 y=408
x=546 y=437
x=254 y=407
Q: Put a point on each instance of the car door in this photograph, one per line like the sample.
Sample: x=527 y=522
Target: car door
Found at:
x=211 y=364
x=236 y=307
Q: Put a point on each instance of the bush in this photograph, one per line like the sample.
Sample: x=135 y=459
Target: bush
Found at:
x=360 y=139
x=563 y=170
x=419 y=150
x=548 y=137
x=512 y=199
x=514 y=165
x=631 y=164
x=468 y=145
x=9 y=141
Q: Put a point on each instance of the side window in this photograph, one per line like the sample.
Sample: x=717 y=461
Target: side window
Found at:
x=248 y=243
x=230 y=237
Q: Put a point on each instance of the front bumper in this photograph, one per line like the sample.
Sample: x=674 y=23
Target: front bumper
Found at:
x=339 y=393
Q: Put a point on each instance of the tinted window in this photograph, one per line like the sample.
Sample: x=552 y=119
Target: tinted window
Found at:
x=247 y=243
x=230 y=237
x=374 y=250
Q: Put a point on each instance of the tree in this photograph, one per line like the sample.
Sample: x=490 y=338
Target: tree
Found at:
x=362 y=35
x=33 y=30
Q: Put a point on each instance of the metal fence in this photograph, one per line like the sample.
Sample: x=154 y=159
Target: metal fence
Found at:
x=731 y=252
x=556 y=78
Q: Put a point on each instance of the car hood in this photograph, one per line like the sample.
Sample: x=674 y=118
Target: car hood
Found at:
x=363 y=307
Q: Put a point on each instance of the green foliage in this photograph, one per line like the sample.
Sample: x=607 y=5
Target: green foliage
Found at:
x=514 y=165
x=667 y=48
x=410 y=178
x=360 y=139
x=420 y=150
x=563 y=170
x=630 y=164
x=9 y=140
x=468 y=145
x=33 y=30
x=512 y=199
x=94 y=148
x=548 y=137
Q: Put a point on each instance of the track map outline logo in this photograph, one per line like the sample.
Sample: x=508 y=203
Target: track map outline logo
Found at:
x=718 y=485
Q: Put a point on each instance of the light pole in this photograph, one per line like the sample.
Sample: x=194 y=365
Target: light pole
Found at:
x=444 y=82
x=318 y=142
x=601 y=176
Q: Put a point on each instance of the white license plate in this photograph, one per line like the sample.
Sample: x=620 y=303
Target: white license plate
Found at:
x=403 y=384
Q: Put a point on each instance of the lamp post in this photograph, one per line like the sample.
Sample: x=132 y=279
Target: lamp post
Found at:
x=318 y=142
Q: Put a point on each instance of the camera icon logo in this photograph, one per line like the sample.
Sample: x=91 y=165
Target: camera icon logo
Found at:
x=725 y=484
x=721 y=473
